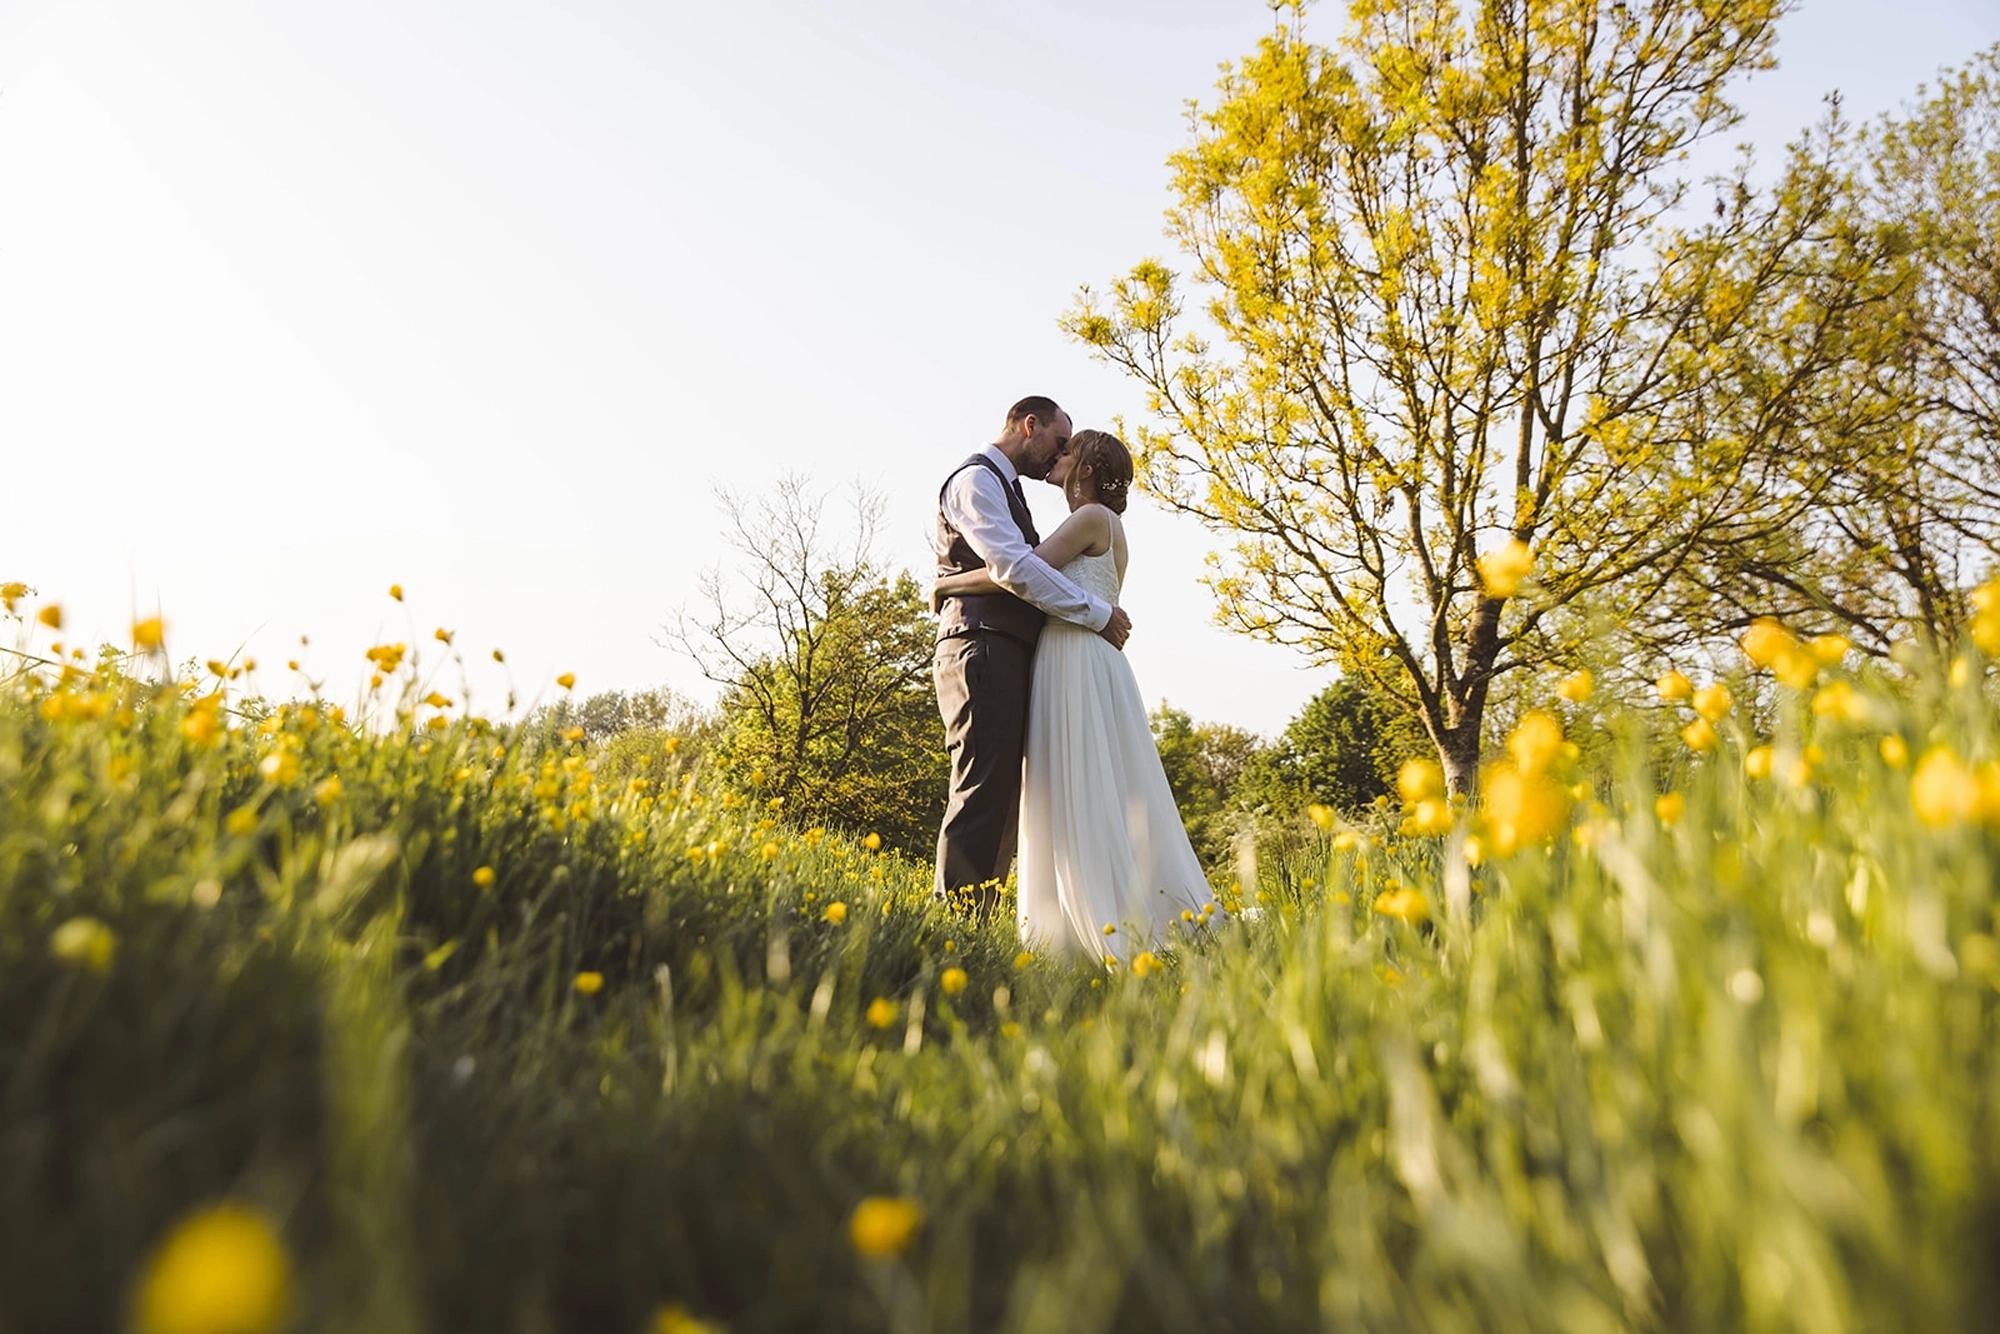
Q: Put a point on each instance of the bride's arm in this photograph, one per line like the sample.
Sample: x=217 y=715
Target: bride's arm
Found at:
x=1086 y=531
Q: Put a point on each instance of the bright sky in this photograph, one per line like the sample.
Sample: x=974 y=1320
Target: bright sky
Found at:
x=485 y=296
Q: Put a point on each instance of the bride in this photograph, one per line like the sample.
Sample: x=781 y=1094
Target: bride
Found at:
x=1105 y=864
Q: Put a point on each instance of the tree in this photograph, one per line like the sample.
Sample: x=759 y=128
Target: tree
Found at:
x=824 y=659
x=1204 y=763
x=1461 y=334
x=1342 y=750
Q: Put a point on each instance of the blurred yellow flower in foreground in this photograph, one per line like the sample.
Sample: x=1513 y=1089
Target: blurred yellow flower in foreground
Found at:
x=1322 y=816
x=1757 y=763
x=589 y=984
x=1520 y=808
x=1145 y=963
x=328 y=791
x=881 y=1012
x=1670 y=806
x=881 y=1228
x=11 y=593
x=484 y=877
x=1943 y=791
x=566 y=680
x=1023 y=959
x=835 y=913
x=873 y=842
x=1828 y=650
x=1712 y=702
x=1403 y=903
x=86 y=941
x=1502 y=570
x=1419 y=780
x=51 y=616
x=1535 y=741
x=1576 y=687
x=222 y=1271
x=953 y=981
x=1674 y=687
x=149 y=634
x=396 y=592
x=1895 y=752
x=676 y=1319
x=1699 y=735
x=1986 y=617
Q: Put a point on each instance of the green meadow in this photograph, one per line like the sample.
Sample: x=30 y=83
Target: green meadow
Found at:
x=323 y=1027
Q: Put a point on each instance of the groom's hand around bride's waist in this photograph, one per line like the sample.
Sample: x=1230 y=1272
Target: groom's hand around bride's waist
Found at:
x=1118 y=629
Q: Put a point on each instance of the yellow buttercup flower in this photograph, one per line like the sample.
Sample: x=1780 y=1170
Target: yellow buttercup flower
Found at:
x=1895 y=752
x=835 y=913
x=1502 y=571
x=1669 y=807
x=953 y=981
x=11 y=594
x=1520 y=808
x=881 y=1012
x=484 y=877
x=1403 y=903
x=1536 y=741
x=1829 y=650
x=85 y=941
x=1023 y=959
x=1418 y=780
x=676 y=1319
x=1674 y=687
x=566 y=680
x=589 y=984
x=873 y=842
x=1323 y=816
x=1765 y=640
x=149 y=634
x=221 y=1271
x=1699 y=735
x=1712 y=702
x=1146 y=963
x=881 y=1228
x=51 y=616
x=1576 y=687
x=396 y=592
x=1842 y=703
x=1943 y=792
x=1757 y=763
x=327 y=791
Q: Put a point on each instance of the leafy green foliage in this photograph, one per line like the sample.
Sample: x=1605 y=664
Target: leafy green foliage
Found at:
x=825 y=662
x=1342 y=750
x=1204 y=763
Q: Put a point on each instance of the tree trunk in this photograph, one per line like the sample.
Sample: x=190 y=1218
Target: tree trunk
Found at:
x=1458 y=752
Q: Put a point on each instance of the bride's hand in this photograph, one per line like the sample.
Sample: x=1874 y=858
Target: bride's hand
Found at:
x=1118 y=629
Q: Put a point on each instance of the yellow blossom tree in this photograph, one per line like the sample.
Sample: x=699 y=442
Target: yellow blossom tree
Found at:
x=1432 y=400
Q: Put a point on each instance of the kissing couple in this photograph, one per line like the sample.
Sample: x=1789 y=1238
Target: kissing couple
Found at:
x=1048 y=736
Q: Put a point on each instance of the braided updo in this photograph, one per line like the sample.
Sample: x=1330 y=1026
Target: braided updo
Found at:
x=1110 y=465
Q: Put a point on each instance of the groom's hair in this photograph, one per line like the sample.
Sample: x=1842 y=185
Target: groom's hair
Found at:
x=1042 y=409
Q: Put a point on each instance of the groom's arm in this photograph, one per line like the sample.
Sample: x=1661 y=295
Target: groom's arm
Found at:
x=976 y=505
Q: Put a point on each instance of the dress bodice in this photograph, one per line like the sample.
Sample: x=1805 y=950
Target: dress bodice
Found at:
x=1095 y=574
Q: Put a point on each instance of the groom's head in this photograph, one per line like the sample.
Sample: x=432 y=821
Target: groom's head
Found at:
x=1037 y=431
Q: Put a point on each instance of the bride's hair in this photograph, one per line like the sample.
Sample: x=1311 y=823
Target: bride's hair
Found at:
x=1110 y=465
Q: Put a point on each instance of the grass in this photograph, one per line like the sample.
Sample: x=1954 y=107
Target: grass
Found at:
x=1730 y=1072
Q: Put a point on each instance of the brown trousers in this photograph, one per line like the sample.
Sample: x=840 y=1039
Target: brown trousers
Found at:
x=982 y=681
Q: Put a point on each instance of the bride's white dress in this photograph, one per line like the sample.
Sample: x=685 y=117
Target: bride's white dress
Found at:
x=1101 y=840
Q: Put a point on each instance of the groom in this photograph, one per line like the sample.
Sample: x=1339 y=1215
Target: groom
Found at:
x=986 y=643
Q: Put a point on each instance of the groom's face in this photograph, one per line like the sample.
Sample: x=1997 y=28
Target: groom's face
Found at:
x=1045 y=442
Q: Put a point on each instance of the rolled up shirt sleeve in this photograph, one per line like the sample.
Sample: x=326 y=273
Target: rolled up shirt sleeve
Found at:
x=975 y=503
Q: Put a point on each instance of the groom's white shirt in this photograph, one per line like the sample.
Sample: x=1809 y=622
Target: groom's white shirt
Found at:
x=975 y=503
